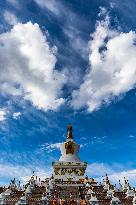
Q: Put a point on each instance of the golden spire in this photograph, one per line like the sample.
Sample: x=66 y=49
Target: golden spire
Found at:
x=69 y=134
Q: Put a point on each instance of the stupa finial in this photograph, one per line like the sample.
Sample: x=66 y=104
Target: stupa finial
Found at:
x=69 y=134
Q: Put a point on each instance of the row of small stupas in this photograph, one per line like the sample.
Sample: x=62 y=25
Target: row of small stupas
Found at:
x=68 y=185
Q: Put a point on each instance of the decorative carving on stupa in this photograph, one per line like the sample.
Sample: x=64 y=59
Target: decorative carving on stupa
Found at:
x=69 y=147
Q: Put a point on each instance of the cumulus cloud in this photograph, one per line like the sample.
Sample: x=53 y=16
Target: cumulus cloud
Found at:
x=112 y=67
x=28 y=67
x=10 y=18
x=2 y=114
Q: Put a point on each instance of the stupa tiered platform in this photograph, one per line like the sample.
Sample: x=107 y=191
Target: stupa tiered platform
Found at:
x=69 y=169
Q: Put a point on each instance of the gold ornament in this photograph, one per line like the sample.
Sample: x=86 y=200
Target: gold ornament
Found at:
x=69 y=146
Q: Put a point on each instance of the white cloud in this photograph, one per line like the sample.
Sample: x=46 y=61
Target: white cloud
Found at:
x=75 y=36
x=112 y=67
x=114 y=171
x=50 y=147
x=10 y=18
x=130 y=175
x=29 y=68
x=16 y=115
x=2 y=114
x=72 y=27
x=51 y=5
x=8 y=170
x=98 y=170
x=22 y=173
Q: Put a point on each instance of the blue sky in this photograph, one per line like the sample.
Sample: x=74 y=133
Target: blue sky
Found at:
x=67 y=62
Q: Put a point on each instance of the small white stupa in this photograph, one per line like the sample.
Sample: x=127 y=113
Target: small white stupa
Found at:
x=93 y=200
x=115 y=200
x=2 y=198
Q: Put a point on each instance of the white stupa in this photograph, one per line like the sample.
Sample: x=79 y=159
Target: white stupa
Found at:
x=69 y=164
x=69 y=170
